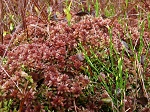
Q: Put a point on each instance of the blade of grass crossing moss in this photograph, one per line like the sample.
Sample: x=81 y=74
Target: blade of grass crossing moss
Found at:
x=146 y=55
x=131 y=46
x=87 y=58
x=141 y=27
x=111 y=49
x=103 y=66
x=109 y=11
x=119 y=80
x=148 y=19
x=89 y=6
x=126 y=1
x=96 y=8
x=86 y=70
x=117 y=73
x=141 y=41
x=66 y=2
x=82 y=6
x=67 y=12
x=120 y=71
x=124 y=88
x=95 y=68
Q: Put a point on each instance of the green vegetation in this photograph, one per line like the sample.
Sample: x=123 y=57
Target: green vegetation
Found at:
x=75 y=56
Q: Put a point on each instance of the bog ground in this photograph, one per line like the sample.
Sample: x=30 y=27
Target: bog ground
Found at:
x=74 y=56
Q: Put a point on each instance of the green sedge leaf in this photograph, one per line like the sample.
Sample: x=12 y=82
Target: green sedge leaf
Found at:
x=107 y=100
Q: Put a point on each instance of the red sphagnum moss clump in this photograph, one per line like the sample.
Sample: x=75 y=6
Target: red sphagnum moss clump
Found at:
x=43 y=69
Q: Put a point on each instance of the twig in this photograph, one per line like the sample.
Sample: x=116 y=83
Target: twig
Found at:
x=75 y=107
x=10 y=78
x=1 y=21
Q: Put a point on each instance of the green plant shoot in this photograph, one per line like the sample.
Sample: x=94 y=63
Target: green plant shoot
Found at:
x=148 y=18
x=96 y=8
x=67 y=12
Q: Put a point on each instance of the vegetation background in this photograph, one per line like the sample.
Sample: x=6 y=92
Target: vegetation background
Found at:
x=74 y=56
